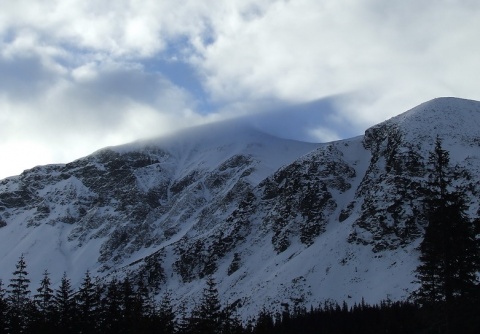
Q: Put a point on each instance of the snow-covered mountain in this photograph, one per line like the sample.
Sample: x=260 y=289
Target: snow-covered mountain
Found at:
x=272 y=220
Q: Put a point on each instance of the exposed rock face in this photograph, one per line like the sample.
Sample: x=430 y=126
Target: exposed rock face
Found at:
x=272 y=220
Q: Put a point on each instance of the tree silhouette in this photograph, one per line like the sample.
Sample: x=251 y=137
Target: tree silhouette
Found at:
x=449 y=252
x=132 y=307
x=44 y=304
x=207 y=315
x=65 y=305
x=88 y=301
x=19 y=285
x=112 y=308
x=18 y=298
x=166 y=315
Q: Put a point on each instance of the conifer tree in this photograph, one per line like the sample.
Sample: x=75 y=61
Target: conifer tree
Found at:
x=166 y=315
x=19 y=285
x=64 y=303
x=44 y=304
x=88 y=301
x=431 y=270
x=131 y=307
x=18 y=298
x=207 y=315
x=112 y=309
x=449 y=252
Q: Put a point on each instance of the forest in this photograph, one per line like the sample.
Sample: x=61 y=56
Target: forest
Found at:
x=118 y=307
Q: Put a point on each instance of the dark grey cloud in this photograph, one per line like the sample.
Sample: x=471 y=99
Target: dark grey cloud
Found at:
x=24 y=77
x=314 y=121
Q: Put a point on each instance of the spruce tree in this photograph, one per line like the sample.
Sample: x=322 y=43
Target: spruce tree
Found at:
x=131 y=307
x=207 y=315
x=430 y=271
x=449 y=252
x=64 y=304
x=19 y=285
x=44 y=304
x=88 y=301
x=166 y=315
x=18 y=298
x=112 y=309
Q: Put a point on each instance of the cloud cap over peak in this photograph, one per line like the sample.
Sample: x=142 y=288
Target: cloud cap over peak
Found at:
x=78 y=75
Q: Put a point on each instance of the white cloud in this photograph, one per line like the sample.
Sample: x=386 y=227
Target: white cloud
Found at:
x=57 y=116
x=390 y=55
x=73 y=76
x=324 y=135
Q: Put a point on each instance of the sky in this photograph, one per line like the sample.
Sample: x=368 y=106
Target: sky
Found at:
x=79 y=75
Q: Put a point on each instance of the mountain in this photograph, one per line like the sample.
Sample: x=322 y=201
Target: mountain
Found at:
x=272 y=220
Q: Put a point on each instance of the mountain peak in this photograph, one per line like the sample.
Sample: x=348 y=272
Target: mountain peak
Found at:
x=450 y=102
x=440 y=110
x=442 y=117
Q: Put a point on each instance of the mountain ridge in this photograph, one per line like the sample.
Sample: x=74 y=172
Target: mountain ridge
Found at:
x=272 y=220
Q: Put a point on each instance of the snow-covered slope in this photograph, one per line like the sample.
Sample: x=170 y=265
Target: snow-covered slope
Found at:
x=273 y=220
x=122 y=203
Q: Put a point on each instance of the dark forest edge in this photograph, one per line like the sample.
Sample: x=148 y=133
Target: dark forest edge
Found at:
x=118 y=307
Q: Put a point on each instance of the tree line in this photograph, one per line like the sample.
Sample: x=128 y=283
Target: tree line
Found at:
x=119 y=307
x=115 y=307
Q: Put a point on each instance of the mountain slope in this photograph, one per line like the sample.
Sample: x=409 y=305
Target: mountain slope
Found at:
x=273 y=220
x=122 y=200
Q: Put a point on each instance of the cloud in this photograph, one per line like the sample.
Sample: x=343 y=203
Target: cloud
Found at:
x=315 y=121
x=386 y=56
x=120 y=28
x=73 y=79
x=51 y=115
x=79 y=75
